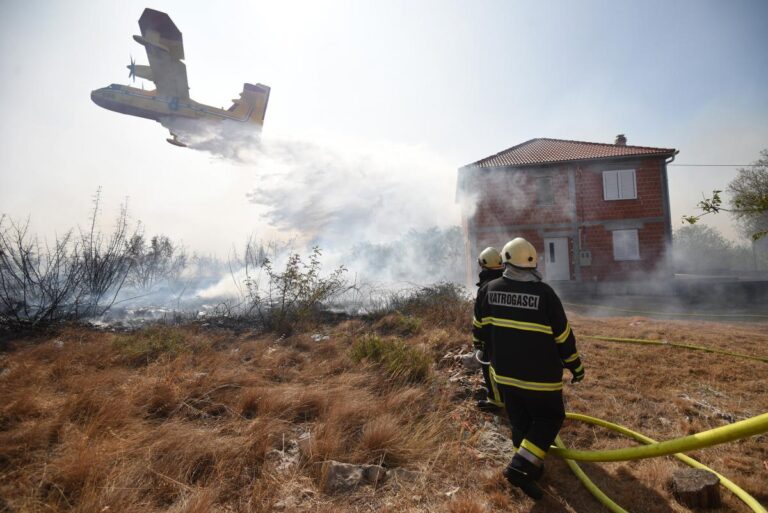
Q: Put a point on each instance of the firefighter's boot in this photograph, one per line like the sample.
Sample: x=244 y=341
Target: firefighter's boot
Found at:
x=480 y=394
x=488 y=406
x=523 y=474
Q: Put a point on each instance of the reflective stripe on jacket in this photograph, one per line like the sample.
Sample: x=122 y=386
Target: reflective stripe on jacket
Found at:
x=526 y=325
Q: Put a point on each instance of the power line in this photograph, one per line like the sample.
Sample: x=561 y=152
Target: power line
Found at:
x=718 y=165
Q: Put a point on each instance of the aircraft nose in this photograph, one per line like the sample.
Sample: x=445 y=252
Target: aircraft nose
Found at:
x=96 y=98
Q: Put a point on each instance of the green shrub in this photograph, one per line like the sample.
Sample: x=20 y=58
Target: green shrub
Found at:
x=283 y=300
x=399 y=324
x=150 y=343
x=402 y=361
x=440 y=304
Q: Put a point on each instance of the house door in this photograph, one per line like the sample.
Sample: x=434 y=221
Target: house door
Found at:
x=556 y=260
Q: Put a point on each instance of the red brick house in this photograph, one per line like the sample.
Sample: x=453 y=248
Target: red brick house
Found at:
x=594 y=212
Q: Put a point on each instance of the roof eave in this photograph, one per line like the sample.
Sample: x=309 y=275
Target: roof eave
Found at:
x=669 y=153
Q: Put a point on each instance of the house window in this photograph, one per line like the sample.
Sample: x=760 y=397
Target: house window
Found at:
x=619 y=185
x=544 y=194
x=625 y=245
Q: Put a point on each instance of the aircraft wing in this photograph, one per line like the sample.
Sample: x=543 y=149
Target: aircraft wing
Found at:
x=165 y=51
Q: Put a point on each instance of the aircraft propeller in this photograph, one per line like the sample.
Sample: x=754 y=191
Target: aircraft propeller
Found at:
x=132 y=69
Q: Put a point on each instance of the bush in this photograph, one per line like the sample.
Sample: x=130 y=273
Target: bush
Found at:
x=77 y=276
x=150 y=343
x=701 y=249
x=153 y=261
x=401 y=361
x=398 y=324
x=439 y=304
x=283 y=300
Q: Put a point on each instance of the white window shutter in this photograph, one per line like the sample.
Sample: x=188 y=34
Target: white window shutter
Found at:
x=627 y=188
x=610 y=185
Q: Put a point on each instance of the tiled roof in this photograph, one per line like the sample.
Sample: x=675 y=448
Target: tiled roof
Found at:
x=545 y=151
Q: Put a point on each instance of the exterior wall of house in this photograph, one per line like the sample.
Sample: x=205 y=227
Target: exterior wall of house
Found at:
x=649 y=202
x=599 y=242
x=507 y=207
x=509 y=197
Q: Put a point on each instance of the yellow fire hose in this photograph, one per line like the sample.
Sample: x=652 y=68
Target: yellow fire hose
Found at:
x=758 y=424
x=675 y=344
x=722 y=434
x=738 y=430
x=668 y=314
x=742 y=429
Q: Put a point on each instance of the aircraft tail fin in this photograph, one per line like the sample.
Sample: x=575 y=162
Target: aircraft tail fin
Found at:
x=252 y=103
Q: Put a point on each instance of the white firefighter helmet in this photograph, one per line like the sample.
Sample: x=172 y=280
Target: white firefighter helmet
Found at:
x=520 y=253
x=490 y=258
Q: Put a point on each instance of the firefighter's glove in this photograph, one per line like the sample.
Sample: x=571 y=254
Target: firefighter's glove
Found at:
x=577 y=375
x=478 y=345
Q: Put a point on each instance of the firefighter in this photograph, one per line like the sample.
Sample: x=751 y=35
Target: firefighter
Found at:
x=523 y=320
x=491 y=267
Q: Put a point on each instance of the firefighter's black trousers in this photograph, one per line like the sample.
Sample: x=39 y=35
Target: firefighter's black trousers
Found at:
x=494 y=394
x=535 y=416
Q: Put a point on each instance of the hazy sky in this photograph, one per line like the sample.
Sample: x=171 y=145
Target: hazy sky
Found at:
x=444 y=82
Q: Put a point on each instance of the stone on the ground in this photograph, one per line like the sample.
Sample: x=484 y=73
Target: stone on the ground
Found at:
x=286 y=459
x=344 y=477
x=374 y=474
x=341 y=477
x=490 y=441
x=696 y=488
x=401 y=474
x=469 y=362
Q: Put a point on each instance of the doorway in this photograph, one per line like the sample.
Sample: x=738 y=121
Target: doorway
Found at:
x=556 y=259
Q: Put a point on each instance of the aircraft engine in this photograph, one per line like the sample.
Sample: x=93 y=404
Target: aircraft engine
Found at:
x=137 y=70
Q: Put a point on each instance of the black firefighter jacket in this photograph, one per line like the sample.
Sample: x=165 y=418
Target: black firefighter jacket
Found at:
x=487 y=275
x=532 y=341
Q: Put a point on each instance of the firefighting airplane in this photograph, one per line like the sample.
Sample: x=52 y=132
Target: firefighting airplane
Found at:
x=170 y=101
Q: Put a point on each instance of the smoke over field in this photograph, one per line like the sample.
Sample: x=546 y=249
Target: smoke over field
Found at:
x=384 y=216
x=333 y=191
x=352 y=198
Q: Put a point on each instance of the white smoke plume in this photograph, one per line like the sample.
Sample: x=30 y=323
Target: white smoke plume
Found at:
x=348 y=196
x=333 y=192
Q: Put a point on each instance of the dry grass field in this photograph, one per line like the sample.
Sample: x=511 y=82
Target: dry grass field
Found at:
x=196 y=419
